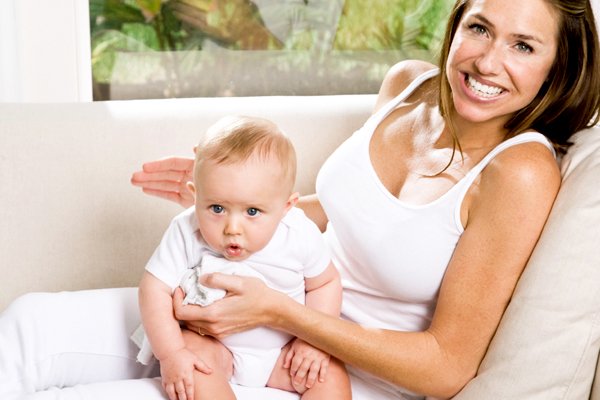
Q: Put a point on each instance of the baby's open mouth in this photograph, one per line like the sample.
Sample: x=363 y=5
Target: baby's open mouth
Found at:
x=233 y=250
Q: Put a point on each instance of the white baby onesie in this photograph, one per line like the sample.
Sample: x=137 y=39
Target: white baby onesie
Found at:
x=296 y=251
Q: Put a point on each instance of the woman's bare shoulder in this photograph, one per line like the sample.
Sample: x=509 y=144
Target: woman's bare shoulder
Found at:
x=528 y=171
x=399 y=76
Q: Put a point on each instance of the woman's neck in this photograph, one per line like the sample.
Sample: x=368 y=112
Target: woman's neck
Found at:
x=478 y=134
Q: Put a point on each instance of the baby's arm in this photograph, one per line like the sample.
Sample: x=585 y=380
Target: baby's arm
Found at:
x=164 y=334
x=323 y=293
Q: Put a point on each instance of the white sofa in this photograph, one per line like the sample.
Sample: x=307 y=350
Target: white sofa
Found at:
x=70 y=220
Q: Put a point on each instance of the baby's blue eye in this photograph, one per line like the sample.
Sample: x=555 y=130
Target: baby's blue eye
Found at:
x=217 y=209
x=253 y=212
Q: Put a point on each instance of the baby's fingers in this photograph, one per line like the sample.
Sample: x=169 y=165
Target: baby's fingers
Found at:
x=323 y=371
x=295 y=363
x=302 y=371
x=170 y=389
x=181 y=390
x=289 y=356
x=189 y=389
x=315 y=371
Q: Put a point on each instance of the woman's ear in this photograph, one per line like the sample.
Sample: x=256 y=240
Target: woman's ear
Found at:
x=192 y=188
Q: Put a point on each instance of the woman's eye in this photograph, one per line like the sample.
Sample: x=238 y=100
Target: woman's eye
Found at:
x=217 y=209
x=524 y=47
x=477 y=28
x=253 y=212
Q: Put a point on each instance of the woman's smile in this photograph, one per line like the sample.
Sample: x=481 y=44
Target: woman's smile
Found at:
x=481 y=89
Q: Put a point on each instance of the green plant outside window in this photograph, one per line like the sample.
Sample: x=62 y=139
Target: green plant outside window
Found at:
x=197 y=48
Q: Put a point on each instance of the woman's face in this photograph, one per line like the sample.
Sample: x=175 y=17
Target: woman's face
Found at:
x=500 y=57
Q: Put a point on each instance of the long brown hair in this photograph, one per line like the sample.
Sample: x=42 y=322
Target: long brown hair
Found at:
x=569 y=100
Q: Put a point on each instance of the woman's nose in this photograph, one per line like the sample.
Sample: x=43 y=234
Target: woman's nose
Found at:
x=490 y=60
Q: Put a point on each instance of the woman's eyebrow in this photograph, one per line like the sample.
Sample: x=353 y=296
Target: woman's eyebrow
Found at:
x=521 y=36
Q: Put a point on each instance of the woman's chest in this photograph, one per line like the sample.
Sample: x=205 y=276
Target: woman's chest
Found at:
x=415 y=161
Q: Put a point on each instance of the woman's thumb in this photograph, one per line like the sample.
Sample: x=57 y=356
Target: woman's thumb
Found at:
x=229 y=283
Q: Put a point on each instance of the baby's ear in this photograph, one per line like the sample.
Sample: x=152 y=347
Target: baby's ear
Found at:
x=292 y=201
x=192 y=188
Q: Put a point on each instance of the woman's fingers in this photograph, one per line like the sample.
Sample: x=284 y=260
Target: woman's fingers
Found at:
x=143 y=178
x=169 y=164
x=167 y=178
x=245 y=306
x=232 y=284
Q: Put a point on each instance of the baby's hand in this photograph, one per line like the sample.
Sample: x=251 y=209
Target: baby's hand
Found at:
x=306 y=363
x=177 y=372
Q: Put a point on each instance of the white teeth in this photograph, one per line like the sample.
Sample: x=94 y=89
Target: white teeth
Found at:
x=481 y=89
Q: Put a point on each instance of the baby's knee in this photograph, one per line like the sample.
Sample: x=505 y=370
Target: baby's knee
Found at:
x=209 y=349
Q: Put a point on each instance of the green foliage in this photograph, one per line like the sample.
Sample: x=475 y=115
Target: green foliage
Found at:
x=137 y=41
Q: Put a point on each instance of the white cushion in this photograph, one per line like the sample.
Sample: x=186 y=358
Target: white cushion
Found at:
x=546 y=346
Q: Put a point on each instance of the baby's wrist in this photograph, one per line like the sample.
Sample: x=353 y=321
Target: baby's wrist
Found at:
x=165 y=355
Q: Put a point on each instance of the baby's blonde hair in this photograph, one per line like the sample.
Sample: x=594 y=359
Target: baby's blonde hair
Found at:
x=235 y=139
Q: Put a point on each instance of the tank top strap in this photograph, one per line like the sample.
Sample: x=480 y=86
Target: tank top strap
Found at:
x=468 y=180
x=388 y=107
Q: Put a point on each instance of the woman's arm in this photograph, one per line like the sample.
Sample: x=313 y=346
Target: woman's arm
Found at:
x=312 y=208
x=507 y=211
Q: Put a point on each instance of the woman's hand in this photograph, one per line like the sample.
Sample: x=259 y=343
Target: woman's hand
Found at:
x=249 y=303
x=167 y=178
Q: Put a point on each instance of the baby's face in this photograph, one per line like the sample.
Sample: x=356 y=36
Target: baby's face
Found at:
x=239 y=206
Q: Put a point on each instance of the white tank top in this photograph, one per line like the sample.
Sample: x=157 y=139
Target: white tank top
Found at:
x=392 y=256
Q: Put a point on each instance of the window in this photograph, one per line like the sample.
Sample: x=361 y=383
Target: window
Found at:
x=195 y=48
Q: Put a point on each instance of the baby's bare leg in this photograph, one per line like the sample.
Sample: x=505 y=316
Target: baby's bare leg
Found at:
x=216 y=356
x=280 y=377
x=336 y=385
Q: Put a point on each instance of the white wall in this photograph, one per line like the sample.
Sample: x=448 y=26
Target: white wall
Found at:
x=45 y=51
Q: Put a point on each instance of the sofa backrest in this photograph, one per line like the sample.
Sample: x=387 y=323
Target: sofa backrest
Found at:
x=70 y=218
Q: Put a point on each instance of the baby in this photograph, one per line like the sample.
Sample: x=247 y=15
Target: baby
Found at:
x=243 y=222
